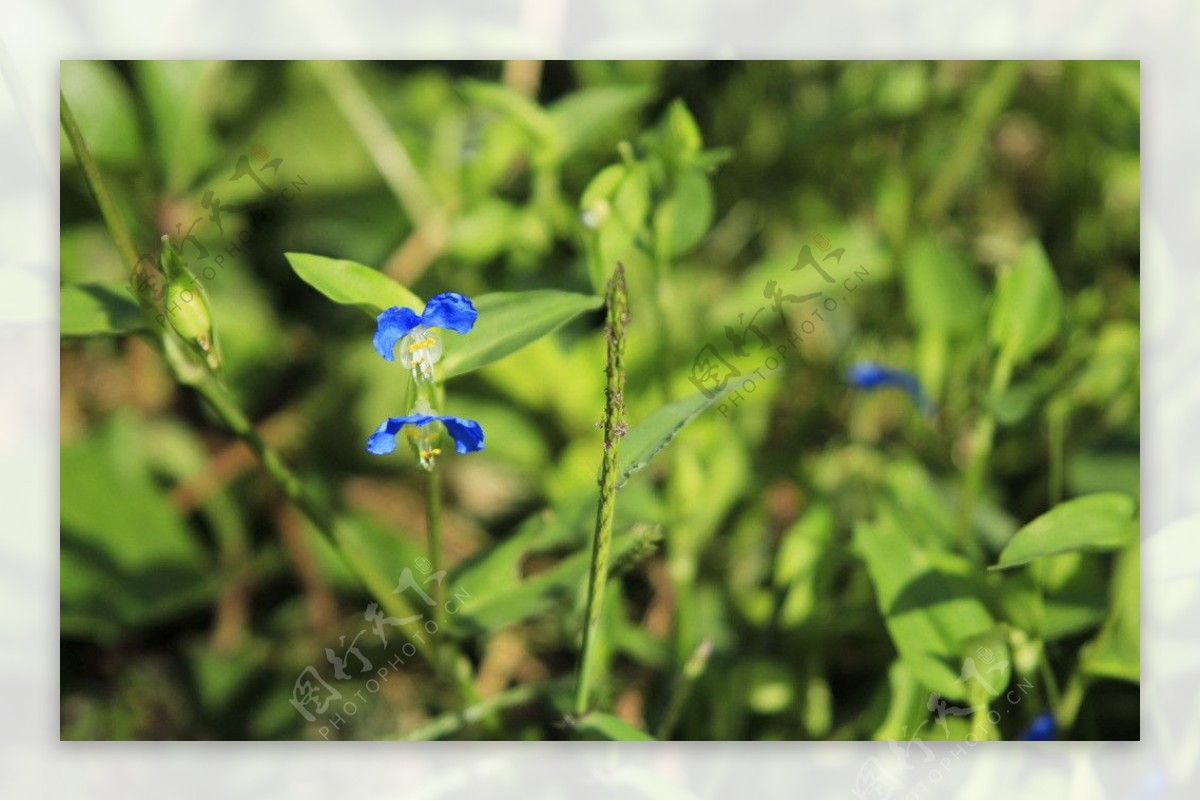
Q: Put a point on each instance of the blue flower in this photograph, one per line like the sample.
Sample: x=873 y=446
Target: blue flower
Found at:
x=870 y=375
x=425 y=431
x=420 y=346
x=1042 y=728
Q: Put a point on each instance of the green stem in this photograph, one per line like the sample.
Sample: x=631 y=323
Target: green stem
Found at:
x=692 y=671
x=1056 y=432
x=207 y=385
x=95 y=181
x=451 y=722
x=614 y=430
x=985 y=108
x=1053 y=698
x=1072 y=699
x=235 y=419
x=981 y=449
x=433 y=520
x=381 y=142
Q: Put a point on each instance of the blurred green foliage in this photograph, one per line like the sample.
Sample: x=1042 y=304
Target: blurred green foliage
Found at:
x=798 y=559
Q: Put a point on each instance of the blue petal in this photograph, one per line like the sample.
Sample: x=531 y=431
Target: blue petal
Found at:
x=449 y=310
x=393 y=323
x=869 y=375
x=467 y=434
x=383 y=441
x=1042 y=728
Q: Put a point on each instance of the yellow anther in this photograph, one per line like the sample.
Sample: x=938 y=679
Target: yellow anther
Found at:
x=424 y=343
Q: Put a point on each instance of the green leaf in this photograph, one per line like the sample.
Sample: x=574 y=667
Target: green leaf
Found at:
x=941 y=291
x=929 y=603
x=682 y=219
x=352 y=284
x=1099 y=522
x=94 y=309
x=650 y=436
x=508 y=321
x=1028 y=307
x=583 y=116
x=682 y=131
x=601 y=726
x=127 y=558
x=104 y=109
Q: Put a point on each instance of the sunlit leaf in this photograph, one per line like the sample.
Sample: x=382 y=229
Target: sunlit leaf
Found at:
x=655 y=432
x=353 y=284
x=929 y=601
x=1028 y=306
x=1097 y=522
x=98 y=309
x=508 y=321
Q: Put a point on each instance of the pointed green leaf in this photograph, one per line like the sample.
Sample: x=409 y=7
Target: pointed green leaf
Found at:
x=1028 y=307
x=1099 y=522
x=655 y=432
x=682 y=219
x=508 y=321
x=95 y=309
x=353 y=284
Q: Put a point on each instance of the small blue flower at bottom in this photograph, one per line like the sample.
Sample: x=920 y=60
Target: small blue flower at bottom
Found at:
x=425 y=430
x=870 y=375
x=1042 y=728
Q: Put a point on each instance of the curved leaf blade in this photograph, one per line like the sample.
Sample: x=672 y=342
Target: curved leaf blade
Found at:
x=508 y=321
x=98 y=309
x=1028 y=306
x=352 y=284
x=654 y=433
x=1099 y=522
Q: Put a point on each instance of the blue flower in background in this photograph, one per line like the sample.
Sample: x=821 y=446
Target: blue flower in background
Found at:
x=1042 y=728
x=870 y=375
x=425 y=431
x=420 y=344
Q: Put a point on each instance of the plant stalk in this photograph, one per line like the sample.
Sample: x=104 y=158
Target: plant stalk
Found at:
x=981 y=449
x=95 y=181
x=433 y=522
x=614 y=431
